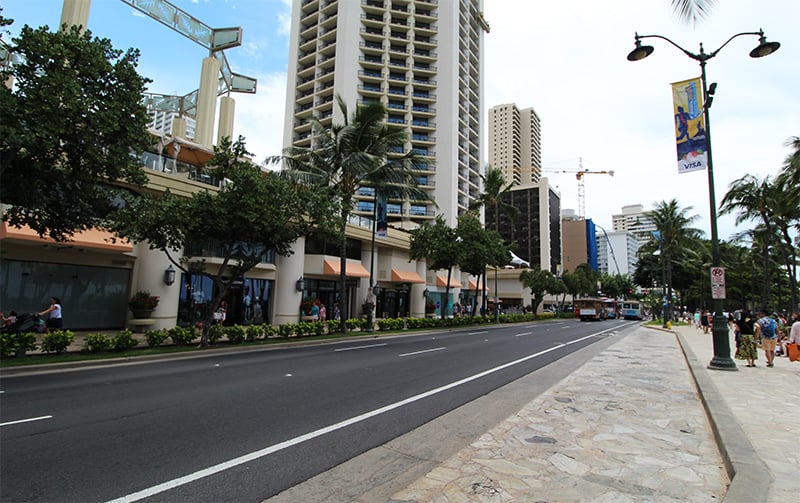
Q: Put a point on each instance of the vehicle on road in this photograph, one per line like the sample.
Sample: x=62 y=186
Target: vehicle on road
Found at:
x=631 y=310
x=590 y=309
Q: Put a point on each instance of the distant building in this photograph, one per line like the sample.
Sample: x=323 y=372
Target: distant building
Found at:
x=635 y=220
x=616 y=252
x=163 y=122
x=515 y=143
x=579 y=242
x=536 y=231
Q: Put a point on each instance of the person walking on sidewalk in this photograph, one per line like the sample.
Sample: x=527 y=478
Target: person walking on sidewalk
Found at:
x=767 y=331
x=746 y=349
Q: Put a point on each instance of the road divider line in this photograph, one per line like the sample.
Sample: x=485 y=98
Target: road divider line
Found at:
x=420 y=352
x=232 y=463
x=30 y=419
x=523 y=333
x=478 y=333
x=361 y=347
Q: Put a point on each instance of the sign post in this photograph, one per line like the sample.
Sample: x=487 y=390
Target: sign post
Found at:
x=717 y=283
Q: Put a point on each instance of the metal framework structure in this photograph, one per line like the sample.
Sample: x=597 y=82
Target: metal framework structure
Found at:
x=213 y=39
x=579 y=173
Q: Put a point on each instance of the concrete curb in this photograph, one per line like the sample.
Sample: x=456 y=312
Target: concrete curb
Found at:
x=748 y=473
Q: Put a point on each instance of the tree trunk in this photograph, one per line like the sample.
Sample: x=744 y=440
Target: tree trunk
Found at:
x=343 y=308
x=446 y=300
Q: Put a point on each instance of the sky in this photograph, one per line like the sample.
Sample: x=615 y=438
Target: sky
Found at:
x=566 y=59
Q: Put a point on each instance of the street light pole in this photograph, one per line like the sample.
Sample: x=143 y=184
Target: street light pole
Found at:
x=722 y=349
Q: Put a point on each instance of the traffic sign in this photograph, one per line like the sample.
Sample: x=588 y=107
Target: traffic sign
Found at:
x=717 y=283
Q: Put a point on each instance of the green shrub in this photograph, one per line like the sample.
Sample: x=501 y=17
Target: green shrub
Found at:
x=270 y=331
x=235 y=334
x=254 y=332
x=17 y=344
x=155 y=337
x=124 y=340
x=57 y=341
x=94 y=343
x=215 y=333
x=286 y=330
x=333 y=326
x=181 y=336
x=304 y=328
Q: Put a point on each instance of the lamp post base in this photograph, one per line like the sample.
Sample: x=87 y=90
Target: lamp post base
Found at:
x=722 y=342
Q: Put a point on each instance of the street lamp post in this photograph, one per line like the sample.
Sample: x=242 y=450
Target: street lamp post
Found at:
x=722 y=350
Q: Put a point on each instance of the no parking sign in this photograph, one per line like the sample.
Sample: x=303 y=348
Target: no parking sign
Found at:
x=717 y=283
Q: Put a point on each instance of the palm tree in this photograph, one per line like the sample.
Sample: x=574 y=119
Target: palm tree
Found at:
x=362 y=150
x=753 y=199
x=493 y=196
x=692 y=10
x=674 y=236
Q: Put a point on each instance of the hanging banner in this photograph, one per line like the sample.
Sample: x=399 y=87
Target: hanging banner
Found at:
x=381 y=220
x=690 y=125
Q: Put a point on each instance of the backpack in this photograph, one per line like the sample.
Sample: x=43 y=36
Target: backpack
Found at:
x=768 y=328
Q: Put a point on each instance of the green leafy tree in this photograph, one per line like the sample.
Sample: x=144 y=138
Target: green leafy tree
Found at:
x=254 y=212
x=540 y=282
x=482 y=248
x=343 y=157
x=493 y=199
x=437 y=243
x=777 y=205
x=71 y=130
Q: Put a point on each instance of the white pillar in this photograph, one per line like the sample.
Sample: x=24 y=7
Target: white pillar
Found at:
x=148 y=275
x=417 y=301
x=227 y=107
x=207 y=102
x=286 y=298
x=75 y=13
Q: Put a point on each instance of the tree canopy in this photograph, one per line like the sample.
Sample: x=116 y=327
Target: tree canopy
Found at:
x=72 y=127
x=253 y=213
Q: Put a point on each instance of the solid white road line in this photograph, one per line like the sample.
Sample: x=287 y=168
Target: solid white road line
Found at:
x=523 y=333
x=478 y=333
x=226 y=465
x=361 y=347
x=420 y=352
x=18 y=421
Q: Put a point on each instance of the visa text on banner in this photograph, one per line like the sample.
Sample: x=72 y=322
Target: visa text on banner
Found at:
x=690 y=125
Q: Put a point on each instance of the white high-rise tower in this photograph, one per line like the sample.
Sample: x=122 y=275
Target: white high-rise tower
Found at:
x=515 y=143
x=422 y=59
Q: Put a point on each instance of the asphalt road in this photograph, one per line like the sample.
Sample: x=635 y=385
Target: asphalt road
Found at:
x=246 y=426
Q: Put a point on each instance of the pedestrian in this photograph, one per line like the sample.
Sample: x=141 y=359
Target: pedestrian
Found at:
x=323 y=312
x=337 y=312
x=8 y=320
x=55 y=318
x=704 y=321
x=315 y=310
x=767 y=330
x=747 y=349
x=792 y=348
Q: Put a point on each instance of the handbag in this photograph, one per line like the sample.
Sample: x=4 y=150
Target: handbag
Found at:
x=794 y=352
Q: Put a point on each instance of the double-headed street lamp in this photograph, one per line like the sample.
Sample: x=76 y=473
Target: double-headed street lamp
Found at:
x=722 y=349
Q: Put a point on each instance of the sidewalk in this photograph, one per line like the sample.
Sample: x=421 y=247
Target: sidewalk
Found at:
x=644 y=420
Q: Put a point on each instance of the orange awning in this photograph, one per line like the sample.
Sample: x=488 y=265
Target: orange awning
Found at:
x=406 y=276
x=454 y=283
x=92 y=238
x=473 y=285
x=353 y=269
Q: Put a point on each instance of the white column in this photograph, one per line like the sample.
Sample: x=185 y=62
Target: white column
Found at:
x=227 y=107
x=148 y=275
x=207 y=102
x=286 y=299
x=75 y=13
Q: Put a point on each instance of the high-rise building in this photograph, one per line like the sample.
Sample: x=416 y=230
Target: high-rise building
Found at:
x=635 y=220
x=515 y=143
x=163 y=122
x=423 y=59
x=616 y=252
x=536 y=230
x=579 y=242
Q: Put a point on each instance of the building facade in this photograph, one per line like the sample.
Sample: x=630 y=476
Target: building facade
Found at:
x=515 y=143
x=579 y=243
x=616 y=252
x=635 y=220
x=536 y=230
x=423 y=59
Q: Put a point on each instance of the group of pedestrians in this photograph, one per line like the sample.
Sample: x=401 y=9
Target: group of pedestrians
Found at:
x=749 y=331
x=54 y=321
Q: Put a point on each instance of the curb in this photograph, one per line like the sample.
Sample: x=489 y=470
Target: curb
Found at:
x=749 y=476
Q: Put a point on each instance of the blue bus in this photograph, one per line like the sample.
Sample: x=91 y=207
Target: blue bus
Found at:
x=631 y=310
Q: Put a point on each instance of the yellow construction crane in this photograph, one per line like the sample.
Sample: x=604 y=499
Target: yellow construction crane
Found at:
x=579 y=173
